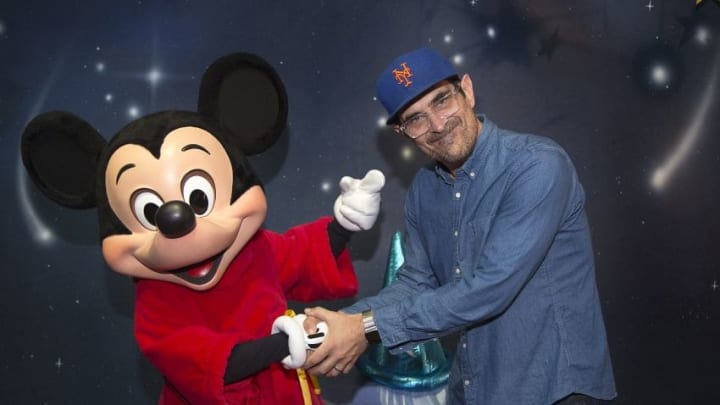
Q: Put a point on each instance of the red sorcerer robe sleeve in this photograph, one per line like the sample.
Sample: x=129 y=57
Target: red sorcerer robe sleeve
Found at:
x=188 y=335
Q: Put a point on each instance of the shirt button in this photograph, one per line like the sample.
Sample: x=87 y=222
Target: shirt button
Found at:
x=467 y=382
x=455 y=233
x=472 y=174
x=457 y=195
x=464 y=345
x=457 y=270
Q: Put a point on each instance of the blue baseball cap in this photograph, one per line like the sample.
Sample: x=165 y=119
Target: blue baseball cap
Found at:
x=409 y=76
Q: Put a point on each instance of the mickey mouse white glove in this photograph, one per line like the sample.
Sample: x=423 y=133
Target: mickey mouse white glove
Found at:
x=358 y=205
x=315 y=339
x=296 y=340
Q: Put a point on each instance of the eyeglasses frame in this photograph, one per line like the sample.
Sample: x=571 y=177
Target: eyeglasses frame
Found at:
x=453 y=92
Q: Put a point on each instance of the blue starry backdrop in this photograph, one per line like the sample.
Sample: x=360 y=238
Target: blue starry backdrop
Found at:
x=629 y=88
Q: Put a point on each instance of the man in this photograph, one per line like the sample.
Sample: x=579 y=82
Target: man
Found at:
x=497 y=249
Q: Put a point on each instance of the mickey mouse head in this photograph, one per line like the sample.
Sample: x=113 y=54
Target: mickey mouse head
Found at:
x=175 y=194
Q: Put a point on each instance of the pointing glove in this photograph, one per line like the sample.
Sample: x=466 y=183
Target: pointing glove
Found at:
x=358 y=205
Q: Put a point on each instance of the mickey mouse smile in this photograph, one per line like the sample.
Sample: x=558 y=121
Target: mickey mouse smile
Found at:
x=201 y=272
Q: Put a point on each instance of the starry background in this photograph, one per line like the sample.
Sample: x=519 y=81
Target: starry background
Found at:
x=629 y=88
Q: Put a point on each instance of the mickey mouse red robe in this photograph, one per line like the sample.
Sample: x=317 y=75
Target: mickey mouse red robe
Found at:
x=188 y=335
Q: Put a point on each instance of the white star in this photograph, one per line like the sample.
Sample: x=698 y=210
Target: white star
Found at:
x=660 y=74
x=59 y=363
x=407 y=153
x=133 y=111
x=650 y=5
x=491 y=33
x=154 y=76
x=702 y=35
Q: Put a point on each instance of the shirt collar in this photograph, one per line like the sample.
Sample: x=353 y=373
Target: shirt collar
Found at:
x=473 y=163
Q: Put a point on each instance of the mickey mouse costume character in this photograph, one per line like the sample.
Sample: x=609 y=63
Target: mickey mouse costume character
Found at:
x=180 y=210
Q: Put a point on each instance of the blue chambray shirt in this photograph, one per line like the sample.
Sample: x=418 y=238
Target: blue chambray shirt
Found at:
x=501 y=254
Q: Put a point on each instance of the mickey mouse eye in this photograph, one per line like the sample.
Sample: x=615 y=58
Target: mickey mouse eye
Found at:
x=199 y=192
x=145 y=204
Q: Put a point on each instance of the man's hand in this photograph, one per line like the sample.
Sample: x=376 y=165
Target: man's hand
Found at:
x=358 y=205
x=344 y=343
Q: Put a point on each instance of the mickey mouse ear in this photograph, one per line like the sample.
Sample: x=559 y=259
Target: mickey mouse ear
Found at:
x=60 y=152
x=245 y=94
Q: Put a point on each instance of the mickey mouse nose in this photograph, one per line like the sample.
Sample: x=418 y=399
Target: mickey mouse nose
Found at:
x=175 y=219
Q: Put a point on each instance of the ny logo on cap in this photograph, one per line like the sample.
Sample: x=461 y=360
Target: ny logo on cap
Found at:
x=403 y=76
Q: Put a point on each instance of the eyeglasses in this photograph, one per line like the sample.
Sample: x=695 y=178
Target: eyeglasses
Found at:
x=443 y=106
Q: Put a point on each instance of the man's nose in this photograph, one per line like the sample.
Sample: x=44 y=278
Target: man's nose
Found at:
x=437 y=122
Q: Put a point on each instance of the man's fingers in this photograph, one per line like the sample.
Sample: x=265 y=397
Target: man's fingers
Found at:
x=319 y=313
x=341 y=347
x=310 y=324
x=315 y=358
x=319 y=363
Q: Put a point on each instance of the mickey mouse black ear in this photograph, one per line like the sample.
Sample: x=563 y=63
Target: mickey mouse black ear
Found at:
x=245 y=94
x=60 y=152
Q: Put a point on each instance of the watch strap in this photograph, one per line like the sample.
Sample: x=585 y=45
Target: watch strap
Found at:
x=371 y=332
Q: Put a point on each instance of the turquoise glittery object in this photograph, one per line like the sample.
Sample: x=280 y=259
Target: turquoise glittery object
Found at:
x=425 y=367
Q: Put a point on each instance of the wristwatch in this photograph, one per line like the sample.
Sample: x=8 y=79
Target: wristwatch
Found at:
x=371 y=331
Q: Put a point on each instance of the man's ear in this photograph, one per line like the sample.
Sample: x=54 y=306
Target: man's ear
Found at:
x=467 y=87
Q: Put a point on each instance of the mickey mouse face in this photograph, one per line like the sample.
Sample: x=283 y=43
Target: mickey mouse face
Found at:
x=176 y=196
x=184 y=226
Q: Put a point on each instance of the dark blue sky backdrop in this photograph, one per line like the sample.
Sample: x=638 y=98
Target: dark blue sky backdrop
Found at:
x=629 y=88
